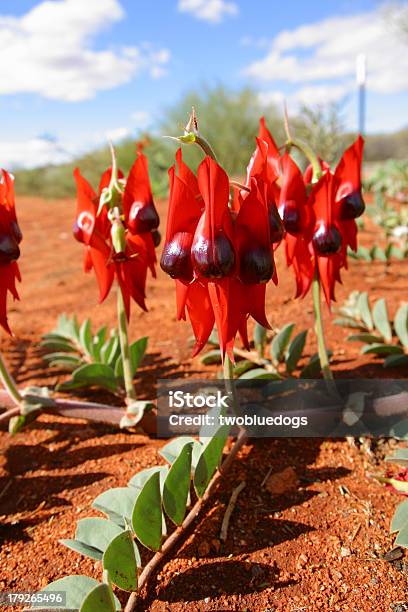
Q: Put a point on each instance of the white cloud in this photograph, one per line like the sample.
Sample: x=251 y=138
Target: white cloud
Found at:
x=38 y=151
x=331 y=48
x=208 y=10
x=311 y=95
x=141 y=119
x=117 y=134
x=49 y=51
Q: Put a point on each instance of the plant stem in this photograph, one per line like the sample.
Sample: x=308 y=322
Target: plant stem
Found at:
x=176 y=536
x=9 y=383
x=323 y=356
x=205 y=145
x=309 y=154
x=124 y=348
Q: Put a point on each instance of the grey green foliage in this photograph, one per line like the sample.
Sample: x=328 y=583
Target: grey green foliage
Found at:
x=134 y=516
x=373 y=326
x=94 y=359
x=399 y=522
x=277 y=357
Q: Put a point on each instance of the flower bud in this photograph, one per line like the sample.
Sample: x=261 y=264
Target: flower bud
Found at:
x=213 y=258
x=176 y=257
x=255 y=265
x=276 y=228
x=352 y=206
x=327 y=240
x=16 y=231
x=142 y=218
x=156 y=235
x=290 y=216
x=9 y=249
x=118 y=237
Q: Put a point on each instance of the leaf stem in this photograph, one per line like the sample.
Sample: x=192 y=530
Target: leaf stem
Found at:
x=9 y=383
x=124 y=348
x=323 y=356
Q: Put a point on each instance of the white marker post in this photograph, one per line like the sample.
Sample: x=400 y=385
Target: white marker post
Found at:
x=361 y=77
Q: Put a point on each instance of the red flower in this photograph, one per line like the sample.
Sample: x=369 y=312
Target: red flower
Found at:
x=10 y=237
x=265 y=165
x=118 y=243
x=320 y=226
x=220 y=258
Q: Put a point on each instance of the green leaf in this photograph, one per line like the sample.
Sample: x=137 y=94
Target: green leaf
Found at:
x=98 y=342
x=120 y=560
x=86 y=338
x=313 y=368
x=76 y=589
x=70 y=385
x=110 y=351
x=381 y=349
x=364 y=311
x=58 y=345
x=172 y=449
x=211 y=357
x=68 y=327
x=259 y=373
x=401 y=324
x=243 y=366
x=364 y=253
x=280 y=343
x=177 y=485
x=349 y=322
x=92 y=536
x=369 y=338
x=295 y=351
x=116 y=503
x=100 y=599
x=400 y=518
x=147 y=514
x=138 y=480
x=396 y=361
x=260 y=338
x=98 y=374
x=402 y=537
x=400 y=457
x=378 y=254
x=209 y=459
x=396 y=252
x=381 y=321
x=137 y=351
x=63 y=356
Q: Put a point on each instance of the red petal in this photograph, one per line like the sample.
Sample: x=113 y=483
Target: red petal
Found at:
x=104 y=273
x=214 y=187
x=86 y=207
x=187 y=175
x=348 y=171
x=184 y=209
x=200 y=313
x=252 y=221
x=137 y=185
x=273 y=151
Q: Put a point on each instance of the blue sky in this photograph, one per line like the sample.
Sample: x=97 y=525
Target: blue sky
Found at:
x=73 y=76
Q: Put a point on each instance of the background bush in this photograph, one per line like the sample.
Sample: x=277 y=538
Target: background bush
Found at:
x=230 y=122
